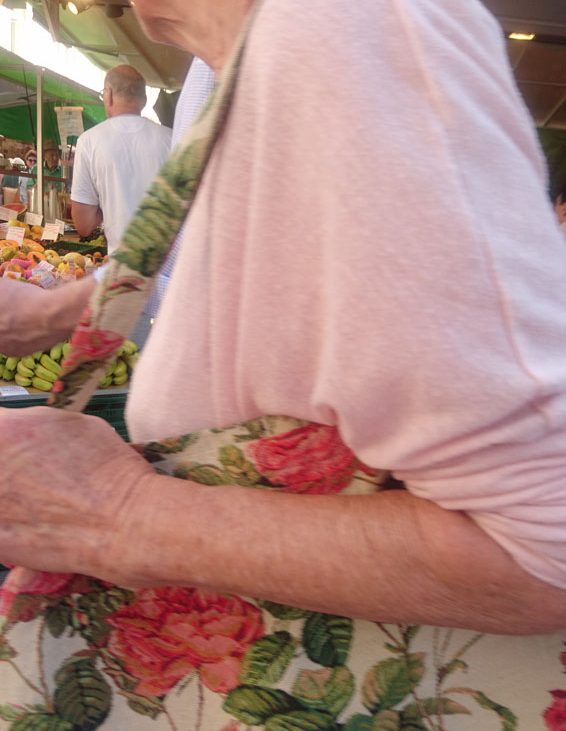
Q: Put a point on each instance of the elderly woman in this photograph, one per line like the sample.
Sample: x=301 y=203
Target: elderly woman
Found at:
x=344 y=265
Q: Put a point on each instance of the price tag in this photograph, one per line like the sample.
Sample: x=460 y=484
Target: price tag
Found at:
x=44 y=277
x=6 y=391
x=15 y=233
x=6 y=214
x=33 y=219
x=51 y=232
x=45 y=266
x=61 y=225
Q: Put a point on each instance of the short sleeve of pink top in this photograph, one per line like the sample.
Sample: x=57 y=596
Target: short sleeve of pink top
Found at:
x=372 y=247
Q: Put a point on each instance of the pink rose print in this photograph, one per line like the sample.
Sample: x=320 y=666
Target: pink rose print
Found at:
x=310 y=459
x=24 y=581
x=231 y=726
x=167 y=633
x=88 y=345
x=555 y=715
x=25 y=592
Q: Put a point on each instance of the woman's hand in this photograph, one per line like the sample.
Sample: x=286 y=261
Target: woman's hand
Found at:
x=67 y=481
x=33 y=319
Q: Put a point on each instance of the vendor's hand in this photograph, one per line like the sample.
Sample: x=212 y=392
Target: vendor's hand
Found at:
x=67 y=482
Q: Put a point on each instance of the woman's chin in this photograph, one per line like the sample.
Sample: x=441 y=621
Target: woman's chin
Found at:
x=160 y=30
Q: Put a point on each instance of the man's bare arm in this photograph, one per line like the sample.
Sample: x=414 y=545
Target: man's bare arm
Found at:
x=85 y=217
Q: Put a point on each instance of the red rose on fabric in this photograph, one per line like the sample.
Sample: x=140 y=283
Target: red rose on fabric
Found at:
x=167 y=633
x=22 y=585
x=555 y=715
x=89 y=345
x=310 y=459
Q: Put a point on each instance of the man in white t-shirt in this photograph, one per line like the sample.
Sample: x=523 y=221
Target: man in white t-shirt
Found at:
x=117 y=160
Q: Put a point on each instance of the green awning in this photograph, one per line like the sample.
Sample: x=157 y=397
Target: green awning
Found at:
x=18 y=112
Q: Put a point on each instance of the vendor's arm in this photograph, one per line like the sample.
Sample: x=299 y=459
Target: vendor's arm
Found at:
x=32 y=318
x=85 y=217
x=386 y=557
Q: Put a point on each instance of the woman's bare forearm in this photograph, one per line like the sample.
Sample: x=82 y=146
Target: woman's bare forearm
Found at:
x=32 y=318
x=387 y=557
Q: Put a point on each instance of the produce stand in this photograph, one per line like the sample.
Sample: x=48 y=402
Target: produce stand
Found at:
x=107 y=404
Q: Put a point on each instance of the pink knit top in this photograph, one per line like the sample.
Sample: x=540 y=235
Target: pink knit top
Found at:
x=373 y=248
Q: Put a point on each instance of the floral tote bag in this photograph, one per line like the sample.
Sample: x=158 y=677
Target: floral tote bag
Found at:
x=79 y=654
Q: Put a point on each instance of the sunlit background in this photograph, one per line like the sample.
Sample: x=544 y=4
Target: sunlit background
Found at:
x=20 y=34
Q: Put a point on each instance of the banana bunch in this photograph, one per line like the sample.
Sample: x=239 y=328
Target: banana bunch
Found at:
x=40 y=370
x=119 y=371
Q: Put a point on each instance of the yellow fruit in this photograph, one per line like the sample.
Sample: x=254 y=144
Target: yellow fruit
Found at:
x=75 y=258
x=52 y=257
x=42 y=372
x=8 y=252
x=24 y=371
x=50 y=364
x=120 y=380
x=41 y=385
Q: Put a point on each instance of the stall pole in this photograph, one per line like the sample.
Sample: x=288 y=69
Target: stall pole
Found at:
x=39 y=103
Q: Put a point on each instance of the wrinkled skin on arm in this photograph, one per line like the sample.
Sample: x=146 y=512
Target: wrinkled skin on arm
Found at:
x=96 y=507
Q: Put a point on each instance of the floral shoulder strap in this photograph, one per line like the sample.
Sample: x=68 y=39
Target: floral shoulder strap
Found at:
x=120 y=297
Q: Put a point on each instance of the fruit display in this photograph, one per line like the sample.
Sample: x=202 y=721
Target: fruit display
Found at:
x=36 y=263
x=41 y=370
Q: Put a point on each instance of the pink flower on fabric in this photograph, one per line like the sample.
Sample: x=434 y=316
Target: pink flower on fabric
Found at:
x=41 y=582
x=167 y=633
x=32 y=583
x=555 y=715
x=310 y=459
x=91 y=345
x=231 y=726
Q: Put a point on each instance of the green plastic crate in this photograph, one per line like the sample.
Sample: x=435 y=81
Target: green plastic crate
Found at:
x=64 y=247
x=107 y=405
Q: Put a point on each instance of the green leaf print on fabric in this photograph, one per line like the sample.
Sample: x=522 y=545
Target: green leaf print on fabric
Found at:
x=387 y=721
x=41 y=722
x=329 y=689
x=204 y=474
x=327 y=639
x=238 y=468
x=508 y=719
x=57 y=619
x=7 y=652
x=267 y=659
x=92 y=609
x=149 y=236
x=391 y=681
x=433 y=707
x=175 y=445
x=151 y=707
x=282 y=611
x=254 y=705
x=10 y=712
x=359 y=722
x=146 y=705
x=82 y=695
x=305 y=720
